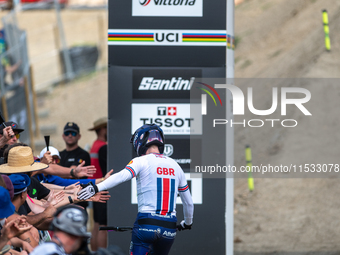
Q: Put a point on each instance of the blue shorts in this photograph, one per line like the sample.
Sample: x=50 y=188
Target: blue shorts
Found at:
x=153 y=234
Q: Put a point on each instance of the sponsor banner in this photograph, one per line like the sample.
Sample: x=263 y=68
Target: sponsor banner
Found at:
x=168 y=37
x=174 y=119
x=178 y=150
x=163 y=83
x=195 y=186
x=169 y=8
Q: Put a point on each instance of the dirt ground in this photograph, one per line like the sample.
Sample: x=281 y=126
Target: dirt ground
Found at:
x=275 y=39
x=285 y=39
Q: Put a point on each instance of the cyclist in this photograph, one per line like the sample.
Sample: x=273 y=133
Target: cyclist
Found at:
x=159 y=179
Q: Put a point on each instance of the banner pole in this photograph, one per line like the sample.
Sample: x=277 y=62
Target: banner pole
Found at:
x=230 y=131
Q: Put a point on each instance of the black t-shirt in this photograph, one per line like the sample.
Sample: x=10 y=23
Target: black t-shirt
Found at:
x=102 y=157
x=74 y=158
x=37 y=191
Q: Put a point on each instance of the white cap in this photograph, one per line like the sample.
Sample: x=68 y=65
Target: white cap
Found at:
x=54 y=152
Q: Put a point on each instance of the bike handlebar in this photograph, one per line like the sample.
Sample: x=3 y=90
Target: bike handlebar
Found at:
x=116 y=228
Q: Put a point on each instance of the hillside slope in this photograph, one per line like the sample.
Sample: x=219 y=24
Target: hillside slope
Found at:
x=285 y=39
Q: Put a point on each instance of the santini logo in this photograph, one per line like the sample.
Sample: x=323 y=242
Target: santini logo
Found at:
x=204 y=97
x=168 y=2
x=150 y=83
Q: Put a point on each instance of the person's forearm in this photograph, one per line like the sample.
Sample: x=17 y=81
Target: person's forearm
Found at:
x=188 y=206
x=45 y=224
x=99 y=180
x=114 y=180
x=3 y=241
x=35 y=208
x=16 y=242
x=36 y=219
x=53 y=186
x=61 y=171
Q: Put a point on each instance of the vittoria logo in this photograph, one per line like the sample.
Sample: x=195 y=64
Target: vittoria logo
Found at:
x=167 y=8
x=168 y=2
x=144 y=2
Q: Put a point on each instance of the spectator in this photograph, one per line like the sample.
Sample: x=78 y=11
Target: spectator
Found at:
x=26 y=240
x=20 y=160
x=69 y=226
x=10 y=140
x=98 y=156
x=9 y=229
x=73 y=154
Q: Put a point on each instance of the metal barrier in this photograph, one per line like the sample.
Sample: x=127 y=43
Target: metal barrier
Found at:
x=17 y=96
x=57 y=46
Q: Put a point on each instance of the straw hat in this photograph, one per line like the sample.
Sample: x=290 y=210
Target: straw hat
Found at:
x=20 y=160
x=99 y=123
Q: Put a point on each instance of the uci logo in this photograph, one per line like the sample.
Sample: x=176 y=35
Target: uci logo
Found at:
x=167 y=37
x=144 y=2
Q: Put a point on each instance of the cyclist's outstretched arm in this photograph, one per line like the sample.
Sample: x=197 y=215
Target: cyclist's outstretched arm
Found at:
x=114 y=180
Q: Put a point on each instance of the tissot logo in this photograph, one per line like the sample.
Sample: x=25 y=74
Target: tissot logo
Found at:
x=174 y=119
x=166 y=111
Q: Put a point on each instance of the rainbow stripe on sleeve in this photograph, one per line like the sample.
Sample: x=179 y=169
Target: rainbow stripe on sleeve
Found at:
x=183 y=189
x=130 y=169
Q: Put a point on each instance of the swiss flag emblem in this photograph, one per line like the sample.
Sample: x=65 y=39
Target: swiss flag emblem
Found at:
x=172 y=111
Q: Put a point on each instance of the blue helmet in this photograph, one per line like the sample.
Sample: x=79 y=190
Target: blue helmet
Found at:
x=145 y=136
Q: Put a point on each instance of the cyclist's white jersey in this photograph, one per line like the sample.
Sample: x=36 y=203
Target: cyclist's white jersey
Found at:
x=159 y=180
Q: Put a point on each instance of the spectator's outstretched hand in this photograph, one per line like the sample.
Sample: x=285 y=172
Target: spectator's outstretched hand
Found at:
x=100 y=197
x=15 y=227
x=84 y=171
x=108 y=174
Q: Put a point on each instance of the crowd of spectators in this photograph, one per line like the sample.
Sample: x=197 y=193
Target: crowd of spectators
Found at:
x=40 y=212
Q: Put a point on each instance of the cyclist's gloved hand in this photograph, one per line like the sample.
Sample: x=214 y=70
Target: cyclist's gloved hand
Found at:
x=183 y=226
x=88 y=191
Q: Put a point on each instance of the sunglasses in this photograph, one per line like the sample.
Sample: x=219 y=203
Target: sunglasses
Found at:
x=67 y=133
x=17 y=136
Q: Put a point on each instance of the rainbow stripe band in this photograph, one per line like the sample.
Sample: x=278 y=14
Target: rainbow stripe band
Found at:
x=131 y=37
x=169 y=37
x=191 y=37
x=183 y=189
x=132 y=172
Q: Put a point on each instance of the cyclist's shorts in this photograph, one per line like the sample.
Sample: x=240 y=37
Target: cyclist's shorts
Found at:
x=153 y=234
